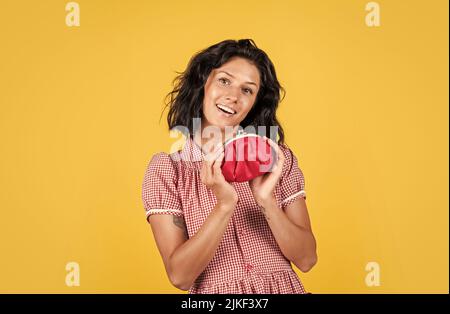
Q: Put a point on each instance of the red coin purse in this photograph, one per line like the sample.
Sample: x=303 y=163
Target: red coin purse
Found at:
x=247 y=156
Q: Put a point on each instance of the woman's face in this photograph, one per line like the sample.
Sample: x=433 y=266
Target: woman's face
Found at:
x=232 y=87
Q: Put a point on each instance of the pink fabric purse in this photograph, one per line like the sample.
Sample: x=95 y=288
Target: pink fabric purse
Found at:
x=247 y=156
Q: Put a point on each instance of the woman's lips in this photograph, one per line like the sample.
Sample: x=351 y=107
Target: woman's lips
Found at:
x=225 y=109
x=224 y=114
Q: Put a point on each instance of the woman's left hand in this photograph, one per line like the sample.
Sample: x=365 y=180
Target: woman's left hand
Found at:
x=263 y=186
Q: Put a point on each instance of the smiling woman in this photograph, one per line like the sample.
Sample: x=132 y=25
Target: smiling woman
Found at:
x=230 y=93
x=221 y=237
x=233 y=74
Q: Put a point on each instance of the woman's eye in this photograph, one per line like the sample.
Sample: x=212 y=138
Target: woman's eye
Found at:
x=224 y=81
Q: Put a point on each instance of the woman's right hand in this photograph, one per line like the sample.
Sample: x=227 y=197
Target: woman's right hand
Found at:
x=211 y=175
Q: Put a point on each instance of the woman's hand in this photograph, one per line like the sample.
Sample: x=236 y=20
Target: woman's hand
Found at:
x=211 y=175
x=263 y=186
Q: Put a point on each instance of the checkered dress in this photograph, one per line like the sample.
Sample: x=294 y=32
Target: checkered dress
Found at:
x=248 y=259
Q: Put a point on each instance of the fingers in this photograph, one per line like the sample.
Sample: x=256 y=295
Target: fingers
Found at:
x=214 y=152
x=212 y=160
x=217 y=171
x=280 y=160
x=271 y=143
x=233 y=133
x=280 y=155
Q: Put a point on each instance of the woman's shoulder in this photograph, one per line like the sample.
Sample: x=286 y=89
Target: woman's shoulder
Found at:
x=290 y=158
x=287 y=151
x=162 y=161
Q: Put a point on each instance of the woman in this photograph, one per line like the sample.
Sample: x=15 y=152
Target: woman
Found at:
x=221 y=237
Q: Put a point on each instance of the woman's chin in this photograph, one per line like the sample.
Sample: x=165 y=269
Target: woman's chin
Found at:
x=221 y=124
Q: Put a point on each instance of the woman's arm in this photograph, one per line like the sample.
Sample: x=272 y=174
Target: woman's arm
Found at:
x=185 y=259
x=291 y=228
x=292 y=231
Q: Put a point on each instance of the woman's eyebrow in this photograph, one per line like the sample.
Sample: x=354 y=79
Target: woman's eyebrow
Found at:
x=233 y=77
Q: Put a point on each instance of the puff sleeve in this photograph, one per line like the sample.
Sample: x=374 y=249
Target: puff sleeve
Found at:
x=159 y=187
x=292 y=181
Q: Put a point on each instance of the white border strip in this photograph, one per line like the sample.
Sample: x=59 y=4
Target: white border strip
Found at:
x=163 y=211
x=302 y=193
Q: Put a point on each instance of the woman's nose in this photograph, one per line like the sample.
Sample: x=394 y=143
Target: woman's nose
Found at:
x=232 y=95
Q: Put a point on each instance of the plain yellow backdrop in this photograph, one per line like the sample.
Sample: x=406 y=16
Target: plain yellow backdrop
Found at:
x=366 y=113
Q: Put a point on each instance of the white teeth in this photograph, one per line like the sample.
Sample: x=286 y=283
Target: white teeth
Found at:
x=229 y=110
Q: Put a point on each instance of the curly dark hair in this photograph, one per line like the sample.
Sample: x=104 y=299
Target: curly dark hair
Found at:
x=186 y=99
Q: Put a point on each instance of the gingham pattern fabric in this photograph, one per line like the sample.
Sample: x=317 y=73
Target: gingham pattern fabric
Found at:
x=248 y=259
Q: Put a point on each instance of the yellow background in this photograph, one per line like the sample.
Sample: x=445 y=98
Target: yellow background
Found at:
x=366 y=113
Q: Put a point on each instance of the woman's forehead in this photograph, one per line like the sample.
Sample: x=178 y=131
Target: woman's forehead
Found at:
x=241 y=69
